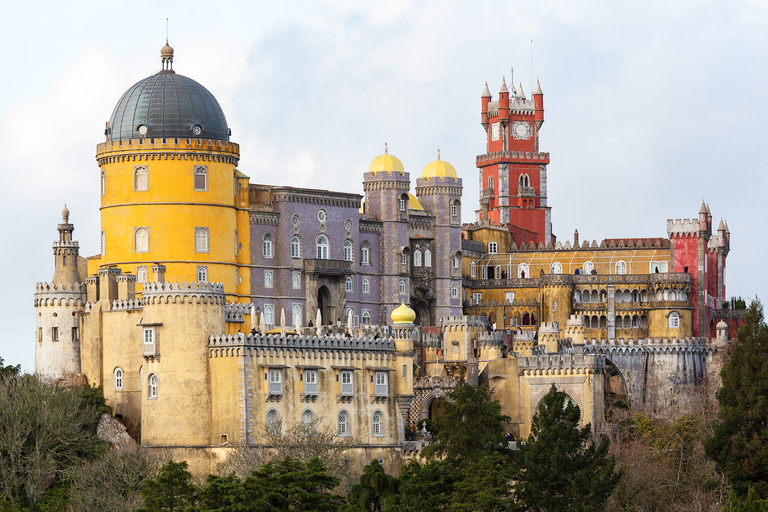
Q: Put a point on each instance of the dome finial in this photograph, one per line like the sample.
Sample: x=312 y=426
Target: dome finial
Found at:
x=386 y=151
x=166 y=54
x=438 y=153
x=65 y=214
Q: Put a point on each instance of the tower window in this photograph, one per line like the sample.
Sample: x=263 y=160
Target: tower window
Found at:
x=75 y=334
x=103 y=182
x=401 y=287
x=674 y=320
x=427 y=258
x=455 y=262
x=348 y=251
x=473 y=269
x=402 y=205
x=296 y=280
x=141 y=273
x=152 y=387
x=141 y=178
x=236 y=248
x=201 y=177
x=454 y=291
x=349 y=284
x=454 y=210
x=366 y=286
x=322 y=247
x=490 y=182
x=268 y=279
x=202 y=274
x=103 y=243
x=118 y=378
x=493 y=247
x=267 y=245
x=54 y=334
x=141 y=240
x=201 y=240
x=296 y=314
x=365 y=254
x=295 y=247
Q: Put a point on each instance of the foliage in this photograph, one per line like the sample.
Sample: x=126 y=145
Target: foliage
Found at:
x=424 y=487
x=485 y=485
x=559 y=468
x=471 y=426
x=172 y=489
x=42 y=432
x=751 y=503
x=372 y=491
x=739 y=442
x=9 y=372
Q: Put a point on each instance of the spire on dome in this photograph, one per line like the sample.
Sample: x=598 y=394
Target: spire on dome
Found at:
x=386 y=151
x=503 y=85
x=486 y=91
x=65 y=214
x=538 y=88
x=166 y=57
x=438 y=153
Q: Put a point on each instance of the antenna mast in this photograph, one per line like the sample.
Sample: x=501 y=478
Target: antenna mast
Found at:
x=531 y=89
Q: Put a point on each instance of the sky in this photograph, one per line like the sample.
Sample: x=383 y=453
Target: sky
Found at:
x=650 y=108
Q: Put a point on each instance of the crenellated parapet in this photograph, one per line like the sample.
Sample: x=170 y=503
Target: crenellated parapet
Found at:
x=682 y=228
x=649 y=345
x=123 y=305
x=166 y=293
x=235 y=312
x=148 y=149
x=59 y=294
x=561 y=364
x=227 y=345
x=463 y=322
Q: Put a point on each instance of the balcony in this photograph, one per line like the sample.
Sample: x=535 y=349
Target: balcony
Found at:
x=150 y=350
x=526 y=191
x=328 y=267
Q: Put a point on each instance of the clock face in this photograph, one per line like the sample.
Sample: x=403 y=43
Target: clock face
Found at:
x=495 y=131
x=522 y=130
x=197 y=129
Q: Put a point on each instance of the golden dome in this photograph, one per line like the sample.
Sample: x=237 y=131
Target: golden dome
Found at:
x=403 y=315
x=414 y=203
x=386 y=163
x=439 y=169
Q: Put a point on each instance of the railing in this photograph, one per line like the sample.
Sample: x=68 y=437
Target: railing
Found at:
x=347 y=389
x=275 y=388
x=150 y=349
x=311 y=388
x=328 y=267
x=381 y=389
x=526 y=191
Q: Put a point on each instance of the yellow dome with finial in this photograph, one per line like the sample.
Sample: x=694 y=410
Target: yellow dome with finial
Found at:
x=403 y=315
x=439 y=169
x=386 y=163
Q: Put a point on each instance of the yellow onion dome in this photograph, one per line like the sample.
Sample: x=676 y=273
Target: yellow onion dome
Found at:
x=403 y=315
x=386 y=163
x=413 y=203
x=439 y=169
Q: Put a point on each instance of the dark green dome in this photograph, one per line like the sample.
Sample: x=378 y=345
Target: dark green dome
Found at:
x=167 y=105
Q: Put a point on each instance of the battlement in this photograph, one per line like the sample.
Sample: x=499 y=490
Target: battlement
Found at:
x=59 y=294
x=498 y=156
x=219 y=345
x=463 y=320
x=490 y=338
x=679 y=227
x=549 y=327
x=133 y=145
x=126 y=305
x=158 y=293
x=126 y=278
x=236 y=311
x=559 y=364
x=73 y=244
x=575 y=321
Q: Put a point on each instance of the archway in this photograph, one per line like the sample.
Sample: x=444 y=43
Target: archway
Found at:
x=423 y=317
x=491 y=272
x=324 y=304
x=437 y=407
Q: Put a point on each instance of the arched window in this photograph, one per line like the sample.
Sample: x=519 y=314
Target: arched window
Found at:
x=427 y=258
x=201 y=177
x=621 y=267
x=455 y=262
x=268 y=279
x=307 y=419
x=588 y=267
x=377 y=421
x=118 y=378
x=273 y=423
x=577 y=296
x=348 y=250
x=365 y=254
x=455 y=209
x=366 y=285
x=344 y=429
x=401 y=287
x=152 y=384
x=201 y=239
x=266 y=245
x=403 y=203
x=141 y=178
x=473 y=269
x=141 y=240
x=454 y=291
x=296 y=280
x=674 y=320
x=522 y=271
x=490 y=182
x=493 y=247
x=103 y=182
x=296 y=314
x=322 y=247
x=202 y=274
x=269 y=314
x=417 y=258
x=349 y=285
x=366 y=317
x=295 y=247
x=557 y=268
x=141 y=274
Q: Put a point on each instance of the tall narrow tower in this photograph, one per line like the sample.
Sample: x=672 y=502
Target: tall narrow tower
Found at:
x=513 y=173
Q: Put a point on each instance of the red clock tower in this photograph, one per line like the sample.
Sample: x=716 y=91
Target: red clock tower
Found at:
x=513 y=174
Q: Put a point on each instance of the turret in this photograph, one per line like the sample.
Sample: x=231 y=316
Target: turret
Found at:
x=403 y=331
x=703 y=214
x=65 y=252
x=504 y=102
x=538 y=116
x=485 y=99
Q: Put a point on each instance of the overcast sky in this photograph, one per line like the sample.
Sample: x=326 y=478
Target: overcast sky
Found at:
x=649 y=108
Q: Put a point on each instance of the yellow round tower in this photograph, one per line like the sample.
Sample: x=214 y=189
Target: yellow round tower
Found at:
x=170 y=190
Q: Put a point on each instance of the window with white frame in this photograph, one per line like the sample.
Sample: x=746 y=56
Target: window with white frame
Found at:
x=269 y=314
x=366 y=317
x=201 y=239
x=234 y=182
x=381 y=384
x=296 y=280
x=454 y=291
x=403 y=258
x=454 y=209
x=118 y=378
x=202 y=274
x=377 y=423
x=427 y=257
x=275 y=381
x=349 y=284
x=103 y=243
x=142 y=275
x=236 y=247
x=268 y=279
x=141 y=178
x=103 y=182
x=588 y=267
x=365 y=254
x=274 y=425
x=455 y=262
x=348 y=250
x=267 y=245
x=141 y=239
x=401 y=287
x=295 y=247
x=152 y=385
x=621 y=267
x=661 y=267
x=493 y=247
x=148 y=335
x=674 y=320
x=473 y=269
x=322 y=247
x=366 y=285
x=557 y=268
x=509 y=297
x=522 y=271
x=402 y=204
x=201 y=177
x=490 y=182
x=296 y=314
x=344 y=429
x=310 y=382
x=477 y=298
x=417 y=258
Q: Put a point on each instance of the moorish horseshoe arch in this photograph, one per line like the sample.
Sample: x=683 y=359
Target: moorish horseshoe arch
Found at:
x=568 y=390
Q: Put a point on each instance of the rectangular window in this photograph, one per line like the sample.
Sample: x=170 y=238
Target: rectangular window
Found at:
x=275 y=382
x=347 y=384
x=149 y=335
x=75 y=334
x=201 y=177
x=141 y=239
x=403 y=259
x=404 y=370
x=477 y=298
x=54 y=334
x=310 y=382
x=381 y=384
x=103 y=243
x=509 y=296
x=40 y=334
x=236 y=243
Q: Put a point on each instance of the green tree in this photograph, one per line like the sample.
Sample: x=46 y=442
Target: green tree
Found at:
x=372 y=491
x=424 y=487
x=485 y=485
x=739 y=441
x=9 y=372
x=471 y=426
x=172 y=489
x=224 y=494
x=558 y=468
x=751 y=503
x=290 y=484
x=42 y=432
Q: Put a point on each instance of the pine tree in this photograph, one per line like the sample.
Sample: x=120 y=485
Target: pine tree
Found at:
x=172 y=489
x=739 y=443
x=558 y=467
x=372 y=491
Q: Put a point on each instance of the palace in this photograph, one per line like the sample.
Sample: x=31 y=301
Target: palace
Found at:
x=219 y=311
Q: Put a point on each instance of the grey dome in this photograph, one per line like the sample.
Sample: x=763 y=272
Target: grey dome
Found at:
x=169 y=106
